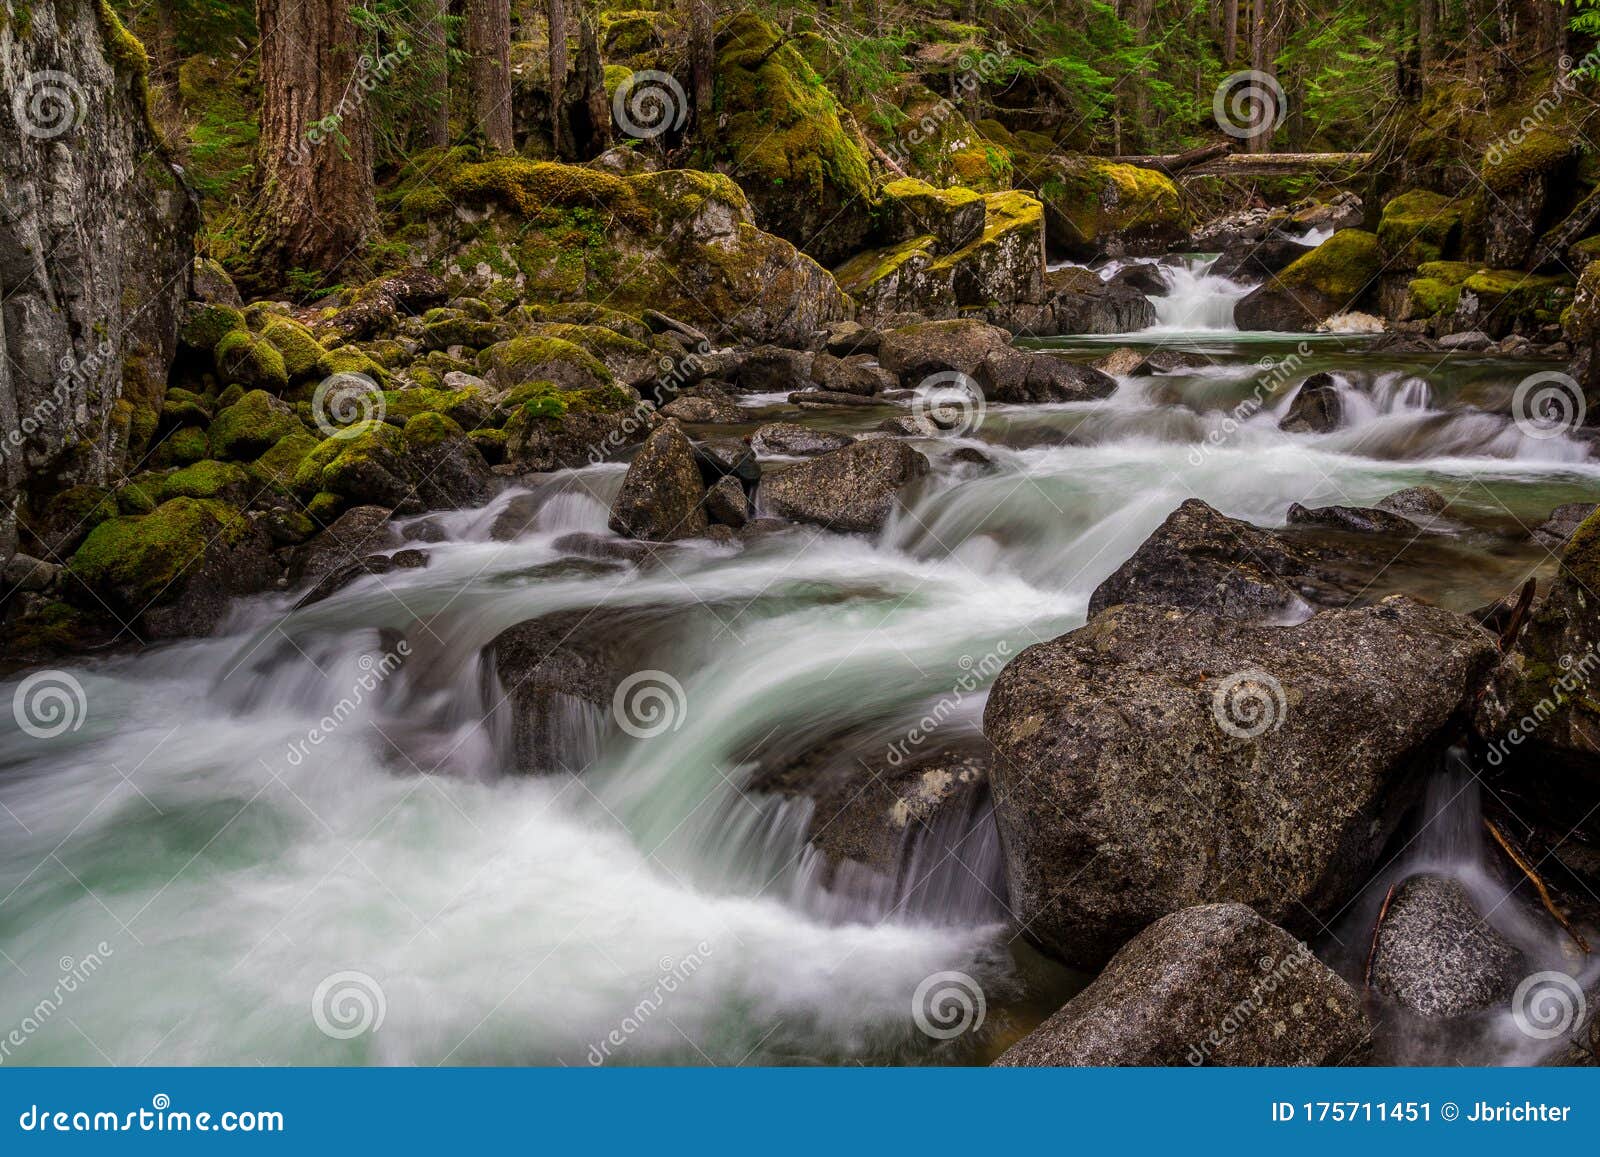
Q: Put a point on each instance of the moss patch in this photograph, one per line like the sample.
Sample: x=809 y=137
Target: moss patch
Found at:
x=251 y=426
x=1341 y=268
x=1420 y=227
x=134 y=561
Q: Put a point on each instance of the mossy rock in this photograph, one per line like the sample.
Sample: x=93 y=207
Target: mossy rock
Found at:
x=465 y=406
x=549 y=401
x=534 y=358
x=1540 y=153
x=252 y=426
x=491 y=443
x=360 y=463
x=780 y=130
x=70 y=514
x=927 y=135
x=1510 y=299
x=136 y=498
x=249 y=360
x=207 y=479
x=260 y=314
x=349 y=359
x=206 y=325
x=616 y=75
x=634 y=32
x=181 y=447
x=133 y=561
x=443 y=328
x=586 y=313
x=300 y=351
x=1420 y=227
x=280 y=463
x=1096 y=207
x=532 y=188
x=183 y=408
x=910 y=208
x=1342 y=267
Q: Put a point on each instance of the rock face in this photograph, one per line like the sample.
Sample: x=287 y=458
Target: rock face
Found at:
x=853 y=490
x=663 y=494
x=96 y=248
x=1437 y=957
x=1538 y=709
x=1316 y=409
x=1256 y=260
x=1211 y=985
x=1157 y=758
x=1564 y=520
x=1202 y=560
x=791 y=438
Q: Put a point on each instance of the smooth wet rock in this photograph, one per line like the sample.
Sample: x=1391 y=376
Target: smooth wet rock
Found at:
x=378 y=564
x=1415 y=502
x=857 y=374
x=853 y=490
x=662 y=496
x=1471 y=341
x=1357 y=519
x=1202 y=560
x=1158 y=758
x=1437 y=956
x=773 y=370
x=720 y=457
x=358 y=532
x=818 y=399
x=1141 y=276
x=1023 y=377
x=793 y=439
x=1257 y=260
x=1209 y=985
x=1316 y=409
x=703 y=410
x=727 y=504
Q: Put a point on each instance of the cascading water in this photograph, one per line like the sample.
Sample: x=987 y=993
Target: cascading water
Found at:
x=240 y=819
x=1196 y=299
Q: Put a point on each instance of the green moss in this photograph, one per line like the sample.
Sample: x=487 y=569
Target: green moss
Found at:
x=1090 y=200
x=250 y=360
x=324 y=507
x=1341 y=268
x=425 y=203
x=1510 y=296
x=300 y=351
x=181 y=447
x=1004 y=214
x=251 y=426
x=465 y=406
x=205 y=479
x=443 y=328
x=350 y=359
x=280 y=463
x=633 y=32
x=337 y=463
x=865 y=270
x=586 y=314
x=132 y=561
x=491 y=443
x=1540 y=152
x=616 y=76
x=531 y=188
x=80 y=506
x=430 y=429
x=1420 y=227
x=533 y=358
x=208 y=325
x=136 y=498
x=52 y=628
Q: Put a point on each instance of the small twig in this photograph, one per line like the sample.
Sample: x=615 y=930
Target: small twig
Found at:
x=1372 y=953
x=1514 y=628
x=1544 y=893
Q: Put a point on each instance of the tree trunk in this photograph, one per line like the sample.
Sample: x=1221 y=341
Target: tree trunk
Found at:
x=1230 y=32
x=1264 y=30
x=313 y=208
x=1427 y=33
x=489 y=50
x=433 y=62
x=703 y=64
x=555 y=12
x=593 y=72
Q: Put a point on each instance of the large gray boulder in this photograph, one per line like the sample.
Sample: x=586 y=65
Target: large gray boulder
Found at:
x=913 y=352
x=853 y=490
x=1211 y=985
x=1436 y=955
x=1157 y=758
x=663 y=494
x=1013 y=375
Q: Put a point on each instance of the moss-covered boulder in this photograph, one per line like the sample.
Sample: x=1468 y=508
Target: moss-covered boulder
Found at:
x=252 y=426
x=1332 y=278
x=300 y=351
x=780 y=132
x=280 y=463
x=1504 y=301
x=430 y=465
x=929 y=137
x=181 y=447
x=912 y=208
x=1098 y=208
x=63 y=521
x=550 y=428
x=1420 y=227
x=1003 y=263
x=1525 y=179
x=206 y=325
x=208 y=479
x=528 y=359
x=250 y=360
x=173 y=571
x=444 y=327
x=466 y=407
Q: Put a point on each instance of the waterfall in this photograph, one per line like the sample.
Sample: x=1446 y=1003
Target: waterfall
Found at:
x=1196 y=300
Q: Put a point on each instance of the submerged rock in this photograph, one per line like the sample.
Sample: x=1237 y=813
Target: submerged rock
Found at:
x=1210 y=985
x=1563 y=522
x=1358 y=519
x=1436 y=955
x=1157 y=758
x=356 y=533
x=853 y=490
x=1414 y=501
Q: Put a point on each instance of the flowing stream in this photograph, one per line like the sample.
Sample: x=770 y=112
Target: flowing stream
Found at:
x=277 y=831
